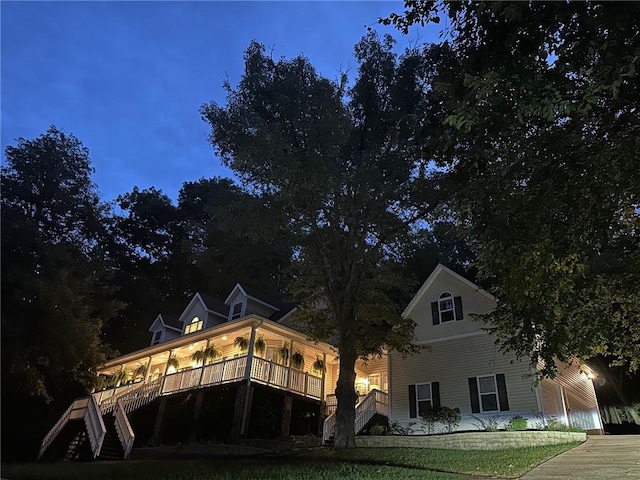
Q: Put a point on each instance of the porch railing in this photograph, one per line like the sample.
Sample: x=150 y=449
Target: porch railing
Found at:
x=233 y=370
x=374 y=402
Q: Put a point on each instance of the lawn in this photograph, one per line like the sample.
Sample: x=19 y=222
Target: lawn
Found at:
x=320 y=464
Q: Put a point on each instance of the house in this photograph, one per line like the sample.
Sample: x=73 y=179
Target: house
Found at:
x=464 y=368
x=226 y=370
x=222 y=370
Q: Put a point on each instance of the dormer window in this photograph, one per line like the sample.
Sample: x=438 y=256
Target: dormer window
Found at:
x=194 y=326
x=236 y=310
x=447 y=309
x=156 y=337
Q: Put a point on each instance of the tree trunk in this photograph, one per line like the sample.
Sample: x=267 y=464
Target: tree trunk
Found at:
x=345 y=435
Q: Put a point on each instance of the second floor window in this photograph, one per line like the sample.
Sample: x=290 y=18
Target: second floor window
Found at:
x=236 y=310
x=194 y=326
x=445 y=306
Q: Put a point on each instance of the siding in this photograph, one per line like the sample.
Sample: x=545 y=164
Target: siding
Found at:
x=579 y=395
x=451 y=362
x=472 y=302
x=197 y=309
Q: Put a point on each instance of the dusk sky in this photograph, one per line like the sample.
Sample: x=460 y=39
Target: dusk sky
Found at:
x=128 y=78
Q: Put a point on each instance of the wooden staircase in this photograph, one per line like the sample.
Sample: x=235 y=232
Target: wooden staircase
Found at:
x=111 y=447
x=375 y=403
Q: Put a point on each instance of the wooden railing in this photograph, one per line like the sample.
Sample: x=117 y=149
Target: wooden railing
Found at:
x=374 y=402
x=87 y=409
x=233 y=370
x=95 y=426
x=123 y=428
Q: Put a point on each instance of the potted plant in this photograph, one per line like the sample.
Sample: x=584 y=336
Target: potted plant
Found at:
x=242 y=343
x=141 y=371
x=207 y=354
x=260 y=345
x=318 y=364
x=297 y=360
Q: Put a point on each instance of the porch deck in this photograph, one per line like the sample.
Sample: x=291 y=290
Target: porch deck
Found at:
x=229 y=371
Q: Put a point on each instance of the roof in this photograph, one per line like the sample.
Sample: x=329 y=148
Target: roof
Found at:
x=171 y=321
x=214 y=304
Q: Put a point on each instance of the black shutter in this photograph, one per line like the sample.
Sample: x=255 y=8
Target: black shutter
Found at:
x=475 y=398
x=435 y=313
x=413 y=407
x=457 y=302
x=502 y=392
x=435 y=394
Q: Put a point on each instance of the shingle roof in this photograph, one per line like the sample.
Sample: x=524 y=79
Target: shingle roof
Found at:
x=214 y=304
x=171 y=321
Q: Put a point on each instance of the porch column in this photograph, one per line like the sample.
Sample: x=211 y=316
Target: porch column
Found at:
x=197 y=408
x=289 y=365
x=157 y=429
x=166 y=366
x=148 y=370
x=252 y=339
x=285 y=426
x=241 y=411
x=203 y=364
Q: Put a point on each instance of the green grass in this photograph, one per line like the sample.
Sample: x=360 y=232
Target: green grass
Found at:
x=322 y=464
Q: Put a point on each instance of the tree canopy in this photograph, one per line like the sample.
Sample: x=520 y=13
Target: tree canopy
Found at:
x=335 y=164
x=541 y=139
x=55 y=292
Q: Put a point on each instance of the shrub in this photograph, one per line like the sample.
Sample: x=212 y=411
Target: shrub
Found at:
x=449 y=417
x=518 y=423
x=377 y=429
x=556 y=426
x=488 y=424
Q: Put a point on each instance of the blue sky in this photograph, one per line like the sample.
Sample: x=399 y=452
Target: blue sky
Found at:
x=128 y=78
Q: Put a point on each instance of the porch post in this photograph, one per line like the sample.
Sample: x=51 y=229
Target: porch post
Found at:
x=252 y=339
x=289 y=365
x=148 y=370
x=166 y=366
x=324 y=376
x=285 y=424
x=203 y=365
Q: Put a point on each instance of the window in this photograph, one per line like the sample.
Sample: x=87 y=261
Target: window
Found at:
x=447 y=309
x=194 y=326
x=423 y=397
x=488 y=393
x=236 y=310
x=156 y=337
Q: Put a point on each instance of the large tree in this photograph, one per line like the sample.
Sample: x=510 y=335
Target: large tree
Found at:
x=336 y=167
x=541 y=141
x=56 y=294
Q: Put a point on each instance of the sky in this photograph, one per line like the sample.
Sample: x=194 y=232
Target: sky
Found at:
x=128 y=78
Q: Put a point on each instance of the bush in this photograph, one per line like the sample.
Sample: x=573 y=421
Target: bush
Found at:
x=449 y=417
x=377 y=429
x=518 y=423
x=489 y=424
x=556 y=426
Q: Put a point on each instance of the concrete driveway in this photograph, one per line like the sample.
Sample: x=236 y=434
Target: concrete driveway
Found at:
x=601 y=457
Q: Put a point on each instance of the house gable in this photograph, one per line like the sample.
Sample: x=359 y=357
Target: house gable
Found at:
x=245 y=301
x=443 y=306
x=163 y=329
x=195 y=316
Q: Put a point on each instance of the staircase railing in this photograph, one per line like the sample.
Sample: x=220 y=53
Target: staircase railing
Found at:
x=123 y=429
x=87 y=409
x=374 y=402
x=95 y=426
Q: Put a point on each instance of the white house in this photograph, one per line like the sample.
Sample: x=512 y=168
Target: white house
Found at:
x=464 y=368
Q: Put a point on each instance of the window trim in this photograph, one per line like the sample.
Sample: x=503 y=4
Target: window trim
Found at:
x=444 y=296
x=195 y=325
x=154 y=340
x=240 y=314
x=418 y=399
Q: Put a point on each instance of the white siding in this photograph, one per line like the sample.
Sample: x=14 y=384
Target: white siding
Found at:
x=579 y=398
x=472 y=302
x=196 y=309
x=451 y=363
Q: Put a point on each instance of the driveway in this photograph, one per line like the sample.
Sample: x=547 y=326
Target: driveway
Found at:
x=601 y=457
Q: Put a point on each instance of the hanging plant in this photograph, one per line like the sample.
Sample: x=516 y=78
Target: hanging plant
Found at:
x=318 y=364
x=212 y=352
x=102 y=382
x=242 y=343
x=141 y=371
x=173 y=362
x=283 y=352
x=119 y=377
x=297 y=360
x=260 y=345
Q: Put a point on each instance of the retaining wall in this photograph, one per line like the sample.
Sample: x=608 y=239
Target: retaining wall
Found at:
x=473 y=440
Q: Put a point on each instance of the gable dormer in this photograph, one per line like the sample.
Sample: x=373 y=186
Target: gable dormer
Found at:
x=445 y=304
x=244 y=300
x=164 y=328
x=202 y=312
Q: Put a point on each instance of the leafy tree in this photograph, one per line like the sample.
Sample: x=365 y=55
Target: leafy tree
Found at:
x=55 y=292
x=541 y=139
x=335 y=165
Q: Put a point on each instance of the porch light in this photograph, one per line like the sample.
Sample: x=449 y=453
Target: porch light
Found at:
x=224 y=337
